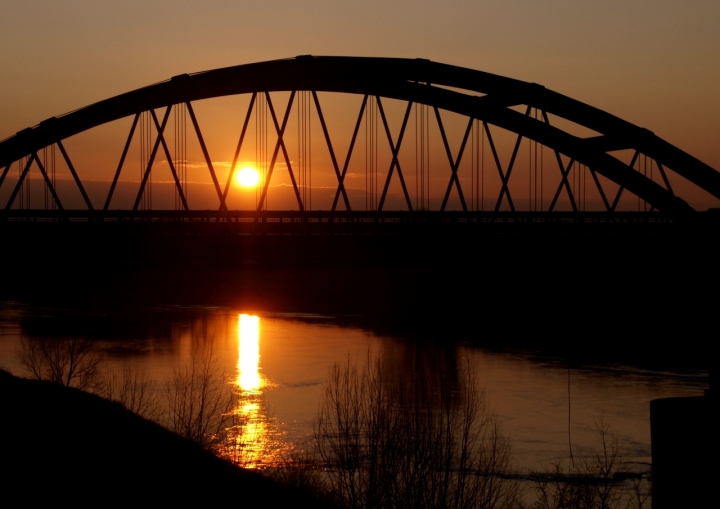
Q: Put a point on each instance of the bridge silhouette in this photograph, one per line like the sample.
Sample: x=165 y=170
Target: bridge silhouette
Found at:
x=523 y=109
x=556 y=244
x=591 y=283
x=520 y=266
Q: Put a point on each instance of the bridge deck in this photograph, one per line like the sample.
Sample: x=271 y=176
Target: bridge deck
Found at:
x=360 y=223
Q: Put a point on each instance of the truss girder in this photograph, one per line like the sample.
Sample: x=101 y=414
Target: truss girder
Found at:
x=20 y=181
x=408 y=80
x=395 y=149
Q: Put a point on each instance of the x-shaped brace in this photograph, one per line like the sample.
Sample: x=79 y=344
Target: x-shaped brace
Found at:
x=505 y=178
x=239 y=146
x=160 y=140
x=347 y=159
x=24 y=173
x=280 y=129
x=454 y=165
x=620 y=191
x=395 y=149
x=499 y=168
x=340 y=177
x=564 y=172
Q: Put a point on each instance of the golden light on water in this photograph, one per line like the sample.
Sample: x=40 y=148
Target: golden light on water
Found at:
x=248 y=177
x=249 y=353
x=256 y=441
x=252 y=436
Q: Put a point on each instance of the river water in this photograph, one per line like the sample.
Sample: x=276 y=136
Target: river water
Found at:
x=279 y=363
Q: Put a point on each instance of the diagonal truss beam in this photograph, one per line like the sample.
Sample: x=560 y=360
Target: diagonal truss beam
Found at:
x=219 y=192
x=454 y=165
x=339 y=176
x=19 y=182
x=505 y=178
x=24 y=173
x=600 y=189
x=395 y=151
x=122 y=161
x=74 y=174
x=4 y=174
x=662 y=172
x=564 y=172
x=239 y=145
x=48 y=181
x=169 y=158
x=280 y=129
x=497 y=164
x=399 y=79
x=622 y=188
x=350 y=150
x=158 y=140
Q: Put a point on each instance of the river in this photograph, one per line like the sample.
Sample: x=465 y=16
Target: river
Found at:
x=546 y=405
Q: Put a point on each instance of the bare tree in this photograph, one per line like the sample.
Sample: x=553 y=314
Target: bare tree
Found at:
x=596 y=480
x=385 y=447
x=298 y=470
x=640 y=493
x=199 y=398
x=132 y=387
x=70 y=361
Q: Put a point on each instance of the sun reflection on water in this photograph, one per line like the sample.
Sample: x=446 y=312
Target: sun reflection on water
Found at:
x=257 y=441
x=249 y=353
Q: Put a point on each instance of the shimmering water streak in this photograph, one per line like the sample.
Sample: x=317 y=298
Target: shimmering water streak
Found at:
x=252 y=435
x=248 y=365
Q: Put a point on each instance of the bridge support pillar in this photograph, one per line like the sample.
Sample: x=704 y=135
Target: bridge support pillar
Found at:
x=683 y=451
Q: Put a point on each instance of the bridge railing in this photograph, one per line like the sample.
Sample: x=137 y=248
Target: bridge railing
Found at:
x=25 y=224
x=337 y=217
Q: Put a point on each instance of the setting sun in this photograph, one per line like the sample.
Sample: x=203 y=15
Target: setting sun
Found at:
x=248 y=177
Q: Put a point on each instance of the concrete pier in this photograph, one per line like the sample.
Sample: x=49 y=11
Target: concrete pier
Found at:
x=683 y=452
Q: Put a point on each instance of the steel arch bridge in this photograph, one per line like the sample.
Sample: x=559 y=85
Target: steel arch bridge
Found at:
x=481 y=97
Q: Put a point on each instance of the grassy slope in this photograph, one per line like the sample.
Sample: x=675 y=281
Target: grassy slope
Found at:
x=63 y=445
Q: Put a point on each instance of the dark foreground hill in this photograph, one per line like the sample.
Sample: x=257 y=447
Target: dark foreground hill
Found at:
x=61 y=447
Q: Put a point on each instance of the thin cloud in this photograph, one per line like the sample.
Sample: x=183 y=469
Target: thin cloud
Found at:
x=222 y=164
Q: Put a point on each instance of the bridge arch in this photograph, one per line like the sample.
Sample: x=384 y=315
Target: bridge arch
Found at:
x=437 y=85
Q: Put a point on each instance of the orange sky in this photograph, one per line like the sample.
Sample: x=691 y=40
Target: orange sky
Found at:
x=654 y=63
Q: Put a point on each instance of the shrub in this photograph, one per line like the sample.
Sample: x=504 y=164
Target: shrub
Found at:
x=386 y=444
x=70 y=361
x=595 y=480
x=199 y=399
x=132 y=387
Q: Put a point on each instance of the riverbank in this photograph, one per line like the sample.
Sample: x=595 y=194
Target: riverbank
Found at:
x=61 y=444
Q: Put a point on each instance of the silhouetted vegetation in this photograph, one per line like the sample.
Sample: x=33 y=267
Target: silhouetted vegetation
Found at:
x=381 y=439
x=300 y=470
x=385 y=445
x=597 y=479
x=133 y=388
x=72 y=361
x=65 y=445
x=199 y=398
